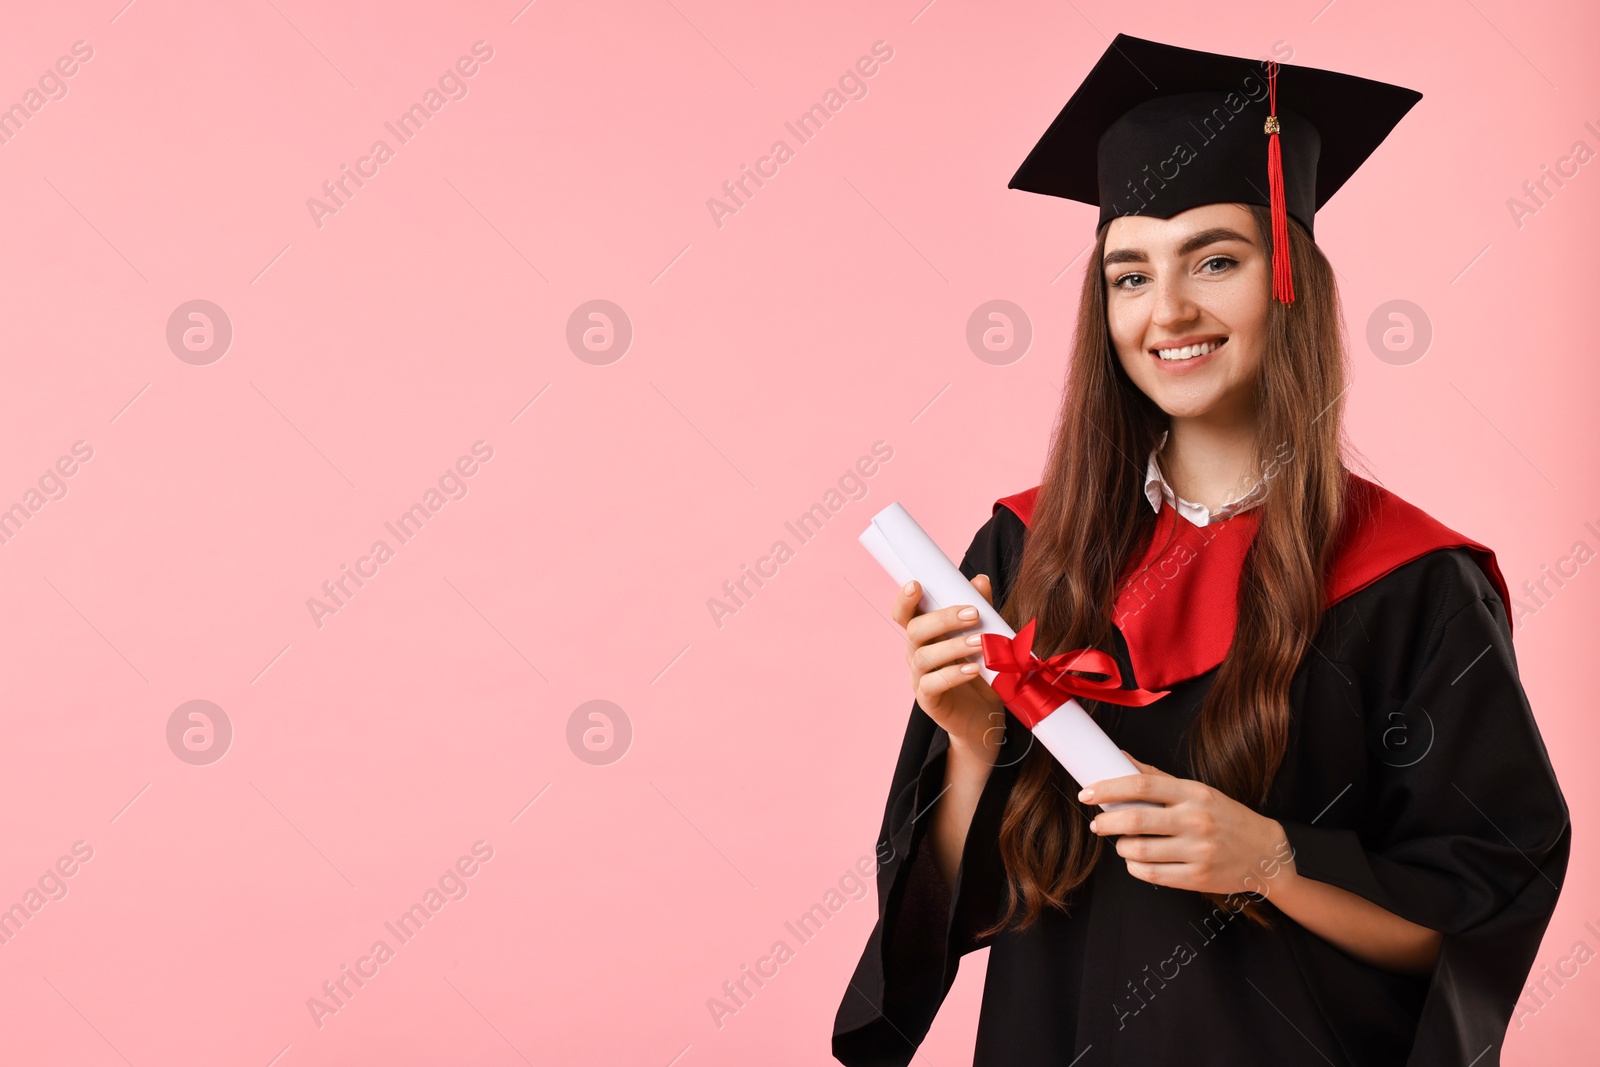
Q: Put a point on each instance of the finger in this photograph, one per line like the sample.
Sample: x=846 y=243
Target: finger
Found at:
x=1144 y=767
x=1176 y=875
x=1140 y=821
x=1156 y=788
x=982 y=584
x=937 y=683
x=1154 y=849
x=936 y=654
x=931 y=624
x=905 y=602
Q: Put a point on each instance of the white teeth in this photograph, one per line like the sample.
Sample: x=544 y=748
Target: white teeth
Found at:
x=1188 y=351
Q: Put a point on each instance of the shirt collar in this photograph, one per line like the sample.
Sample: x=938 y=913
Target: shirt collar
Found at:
x=1156 y=490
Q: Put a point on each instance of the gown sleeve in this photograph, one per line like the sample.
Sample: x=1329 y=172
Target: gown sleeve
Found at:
x=923 y=928
x=1469 y=835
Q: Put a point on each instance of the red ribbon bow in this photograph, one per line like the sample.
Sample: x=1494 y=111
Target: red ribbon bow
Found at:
x=1032 y=688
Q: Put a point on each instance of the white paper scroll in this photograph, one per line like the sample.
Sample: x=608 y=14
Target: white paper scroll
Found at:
x=906 y=551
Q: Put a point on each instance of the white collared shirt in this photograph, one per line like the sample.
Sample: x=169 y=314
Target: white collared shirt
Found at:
x=1156 y=489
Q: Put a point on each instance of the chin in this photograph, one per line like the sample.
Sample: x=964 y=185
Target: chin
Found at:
x=1185 y=408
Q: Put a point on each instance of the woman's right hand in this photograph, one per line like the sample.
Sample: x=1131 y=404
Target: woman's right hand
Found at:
x=948 y=688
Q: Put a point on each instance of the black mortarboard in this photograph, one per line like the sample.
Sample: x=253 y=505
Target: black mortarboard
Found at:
x=1156 y=130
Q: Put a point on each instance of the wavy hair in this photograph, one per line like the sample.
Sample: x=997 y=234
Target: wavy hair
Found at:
x=1073 y=557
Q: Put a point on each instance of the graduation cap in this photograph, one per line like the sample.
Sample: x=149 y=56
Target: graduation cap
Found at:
x=1156 y=130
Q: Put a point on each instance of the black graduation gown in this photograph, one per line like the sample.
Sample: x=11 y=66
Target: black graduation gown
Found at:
x=1415 y=777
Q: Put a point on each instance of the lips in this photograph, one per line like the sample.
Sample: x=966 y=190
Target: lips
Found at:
x=1188 y=349
x=1178 y=366
x=1193 y=341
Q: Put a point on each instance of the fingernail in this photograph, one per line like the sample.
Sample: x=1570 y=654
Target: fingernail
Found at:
x=968 y=613
x=909 y=587
x=1092 y=828
x=1086 y=794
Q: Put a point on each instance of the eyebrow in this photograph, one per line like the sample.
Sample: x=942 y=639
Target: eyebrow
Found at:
x=1195 y=242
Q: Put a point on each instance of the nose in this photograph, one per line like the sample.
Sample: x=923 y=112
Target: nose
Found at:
x=1173 y=302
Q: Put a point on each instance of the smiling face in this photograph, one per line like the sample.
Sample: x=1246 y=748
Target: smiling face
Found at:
x=1186 y=306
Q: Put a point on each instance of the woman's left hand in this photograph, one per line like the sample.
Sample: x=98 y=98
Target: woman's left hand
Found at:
x=1200 y=838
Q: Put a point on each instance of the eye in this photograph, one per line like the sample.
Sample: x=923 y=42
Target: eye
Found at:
x=1131 y=274
x=1218 y=259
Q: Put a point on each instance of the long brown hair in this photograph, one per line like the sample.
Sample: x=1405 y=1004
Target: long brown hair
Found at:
x=1092 y=521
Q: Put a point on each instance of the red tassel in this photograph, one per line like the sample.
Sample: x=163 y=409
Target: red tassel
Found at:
x=1282 y=280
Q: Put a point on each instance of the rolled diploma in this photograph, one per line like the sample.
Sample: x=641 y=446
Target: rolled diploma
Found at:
x=906 y=551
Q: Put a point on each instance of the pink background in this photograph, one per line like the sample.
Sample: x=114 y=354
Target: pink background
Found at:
x=767 y=356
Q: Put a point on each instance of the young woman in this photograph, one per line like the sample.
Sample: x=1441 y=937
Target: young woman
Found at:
x=1353 y=838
